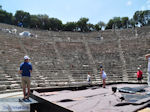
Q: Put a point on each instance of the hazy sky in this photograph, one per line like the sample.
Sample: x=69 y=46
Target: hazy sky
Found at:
x=73 y=10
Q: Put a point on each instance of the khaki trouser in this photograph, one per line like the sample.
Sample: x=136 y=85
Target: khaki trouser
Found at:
x=25 y=81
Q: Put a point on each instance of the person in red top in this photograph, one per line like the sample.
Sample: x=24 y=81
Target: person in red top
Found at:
x=139 y=75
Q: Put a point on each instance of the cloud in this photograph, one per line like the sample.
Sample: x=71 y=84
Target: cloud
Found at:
x=129 y=3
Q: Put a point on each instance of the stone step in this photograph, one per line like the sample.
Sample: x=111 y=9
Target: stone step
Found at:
x=3 y=87
x=10 y=82
x=7 y=79
x=2 y=72
x=43 y=81
x=15 y=86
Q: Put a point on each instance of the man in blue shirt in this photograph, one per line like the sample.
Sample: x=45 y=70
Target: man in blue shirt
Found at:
x=25 y=71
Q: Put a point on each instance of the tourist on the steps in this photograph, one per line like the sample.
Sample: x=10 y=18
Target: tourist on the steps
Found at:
x=103 y=75
x=148 y=70
x=89 y=78
x=25 y=71
x=139 y=75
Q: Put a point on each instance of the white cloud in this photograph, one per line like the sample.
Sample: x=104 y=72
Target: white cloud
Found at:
x=129 y=3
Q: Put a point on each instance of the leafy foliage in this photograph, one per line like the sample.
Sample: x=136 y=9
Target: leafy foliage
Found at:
x=23 y=17
x=70 y=26
x=42 y=21
x=82 y=24
x=142 y=17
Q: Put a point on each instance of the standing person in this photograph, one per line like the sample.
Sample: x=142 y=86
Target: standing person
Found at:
x=139 y=75
x=103 y=75
x=89 y=77
x=148 y=70
x=25 y=71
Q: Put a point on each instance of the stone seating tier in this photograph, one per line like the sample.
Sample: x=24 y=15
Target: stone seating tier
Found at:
x=65 y=58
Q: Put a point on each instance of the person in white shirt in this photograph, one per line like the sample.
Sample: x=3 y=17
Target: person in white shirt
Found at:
x=103 y=75
x=89 y=78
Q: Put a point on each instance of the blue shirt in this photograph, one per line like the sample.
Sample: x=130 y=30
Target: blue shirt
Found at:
x=26 y=67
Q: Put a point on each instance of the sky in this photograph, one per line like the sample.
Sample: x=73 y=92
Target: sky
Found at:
x=73 y=10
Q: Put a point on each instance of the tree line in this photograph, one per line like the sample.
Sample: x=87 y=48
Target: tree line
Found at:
x=43 y=21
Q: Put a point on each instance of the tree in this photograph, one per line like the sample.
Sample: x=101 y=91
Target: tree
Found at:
x=55 y=24
x=110 y=24
x=90 y=27
x=8 y=18
x=138 y=17
x=82 y=24
x=100 y=25
x=2 y=16
x=34 y=21
x=97 y=28
x=43 y=21
x=117 y=22
x=70 y=26
x=146 y=17
x=132 y=23
x=5 y=17
x=125 y=22
x=13 y=20
x=114 y=23
x=142 y=17
x=23 y=17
